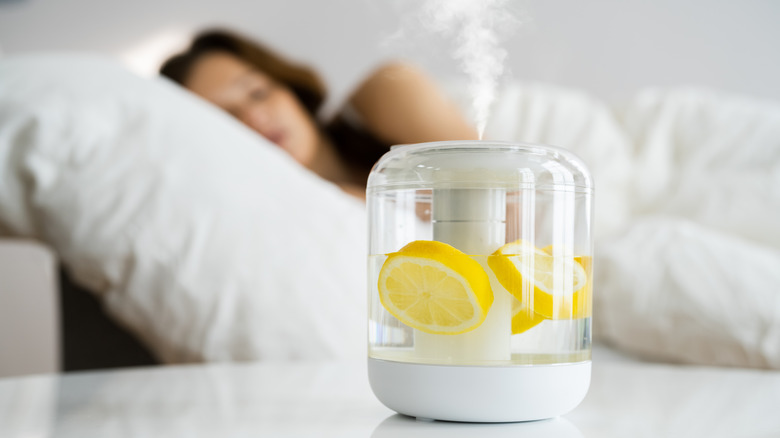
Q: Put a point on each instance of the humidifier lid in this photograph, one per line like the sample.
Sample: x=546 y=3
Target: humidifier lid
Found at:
x=480 y=164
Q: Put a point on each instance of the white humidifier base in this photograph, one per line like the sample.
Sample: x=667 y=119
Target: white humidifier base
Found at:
x=483 y=394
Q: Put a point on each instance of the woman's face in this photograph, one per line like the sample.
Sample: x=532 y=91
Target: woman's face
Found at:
x=267 y=106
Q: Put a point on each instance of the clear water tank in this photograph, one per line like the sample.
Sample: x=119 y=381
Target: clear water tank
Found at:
x=480 y=286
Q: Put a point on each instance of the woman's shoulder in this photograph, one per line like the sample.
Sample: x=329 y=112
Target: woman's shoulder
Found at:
x=400 y=102
x=393 y=70
x=391 y=77
x=377 y=81
x=381 y=77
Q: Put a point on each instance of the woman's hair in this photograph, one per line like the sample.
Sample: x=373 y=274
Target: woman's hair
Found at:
x=357 y=145
x=303 y=81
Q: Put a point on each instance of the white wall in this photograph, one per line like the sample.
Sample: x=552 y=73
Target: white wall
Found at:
x=610 y=48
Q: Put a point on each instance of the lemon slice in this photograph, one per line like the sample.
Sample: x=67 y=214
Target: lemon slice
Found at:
x=436 y=288
x=557 y=280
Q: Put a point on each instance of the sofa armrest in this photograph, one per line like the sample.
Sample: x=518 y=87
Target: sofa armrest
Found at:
x=29 y=309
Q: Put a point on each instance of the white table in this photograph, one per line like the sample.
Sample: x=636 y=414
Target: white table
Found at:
x=627 y=398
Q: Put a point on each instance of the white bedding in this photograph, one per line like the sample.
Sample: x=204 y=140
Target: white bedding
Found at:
x=687 y=256
x=201 y=237
x=211 y=244
x=706 y=202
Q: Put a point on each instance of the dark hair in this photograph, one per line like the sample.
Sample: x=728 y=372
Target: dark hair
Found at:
x=303 y=81
x=354 y=143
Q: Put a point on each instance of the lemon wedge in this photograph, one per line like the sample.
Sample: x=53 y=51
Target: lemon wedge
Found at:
x=523 y=318
x=435 y=288
x=558 y=281
x=581 y=298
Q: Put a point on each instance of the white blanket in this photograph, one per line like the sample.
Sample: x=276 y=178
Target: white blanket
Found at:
x=210 y=244
x=687 y=262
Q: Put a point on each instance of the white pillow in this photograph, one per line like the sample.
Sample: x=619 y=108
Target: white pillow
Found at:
x=672 y=289
x=203 y=238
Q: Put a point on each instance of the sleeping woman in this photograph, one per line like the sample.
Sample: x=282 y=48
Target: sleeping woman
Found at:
x=280 y=100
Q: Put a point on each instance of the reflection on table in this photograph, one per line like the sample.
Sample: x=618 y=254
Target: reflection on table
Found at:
x=334 y=400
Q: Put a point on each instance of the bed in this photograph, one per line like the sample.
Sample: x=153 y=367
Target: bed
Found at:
x=118 y=175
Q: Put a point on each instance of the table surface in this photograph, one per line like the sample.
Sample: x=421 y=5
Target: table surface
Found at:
x=626 y=398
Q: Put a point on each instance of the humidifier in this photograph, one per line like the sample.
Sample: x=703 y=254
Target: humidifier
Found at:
x=479 y=285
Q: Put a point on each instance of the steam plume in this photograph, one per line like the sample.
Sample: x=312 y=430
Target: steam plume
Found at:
x=475 y=29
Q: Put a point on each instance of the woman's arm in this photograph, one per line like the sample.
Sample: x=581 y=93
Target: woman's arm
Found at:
x=400 y=104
